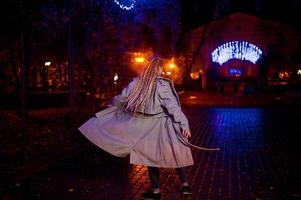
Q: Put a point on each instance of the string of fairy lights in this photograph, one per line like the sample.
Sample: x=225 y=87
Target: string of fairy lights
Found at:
x=126 y=7
x=241 y=50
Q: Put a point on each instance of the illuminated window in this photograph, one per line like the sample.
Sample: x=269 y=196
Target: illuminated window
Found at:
x=235 y=72
x=284 y=75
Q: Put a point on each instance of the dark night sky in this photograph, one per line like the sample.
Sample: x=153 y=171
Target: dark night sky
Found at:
x=198 y=12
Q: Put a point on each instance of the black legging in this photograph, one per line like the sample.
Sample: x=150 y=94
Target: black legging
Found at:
x=154 y=175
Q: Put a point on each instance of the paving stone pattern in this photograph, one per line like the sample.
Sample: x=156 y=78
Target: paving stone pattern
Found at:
x=259 y=160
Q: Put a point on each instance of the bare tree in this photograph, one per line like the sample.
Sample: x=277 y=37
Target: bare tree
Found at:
x=23 y=110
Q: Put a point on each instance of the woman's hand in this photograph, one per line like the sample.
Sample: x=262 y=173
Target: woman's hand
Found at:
x=186 y=133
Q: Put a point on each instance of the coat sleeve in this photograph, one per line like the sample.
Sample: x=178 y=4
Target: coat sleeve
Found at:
x=121 y=98
x=170 y=101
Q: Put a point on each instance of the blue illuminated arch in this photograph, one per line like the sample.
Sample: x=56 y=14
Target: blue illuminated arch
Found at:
x=241 y=50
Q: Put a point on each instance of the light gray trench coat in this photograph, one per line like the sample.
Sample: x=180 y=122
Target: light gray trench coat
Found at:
x=152 y=139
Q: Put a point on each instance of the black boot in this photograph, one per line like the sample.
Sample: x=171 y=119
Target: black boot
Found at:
x=185 y=190
x=151 y=195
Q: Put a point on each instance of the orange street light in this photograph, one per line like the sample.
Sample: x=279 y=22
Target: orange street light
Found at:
x=194 y=75
x=171 y=65
x=139 y=59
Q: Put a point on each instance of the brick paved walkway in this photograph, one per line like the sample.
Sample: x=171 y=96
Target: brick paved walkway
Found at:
x=259 y=160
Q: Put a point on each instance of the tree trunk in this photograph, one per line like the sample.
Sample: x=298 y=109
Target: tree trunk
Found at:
x=23 y=112
x=71 y=61
x=195 y=54
x=22 y=109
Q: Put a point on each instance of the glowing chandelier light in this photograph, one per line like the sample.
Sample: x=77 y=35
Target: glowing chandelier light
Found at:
x=126 y=7
x=236 y=50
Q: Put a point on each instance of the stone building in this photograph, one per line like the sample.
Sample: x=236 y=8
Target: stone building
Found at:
x=242 y=50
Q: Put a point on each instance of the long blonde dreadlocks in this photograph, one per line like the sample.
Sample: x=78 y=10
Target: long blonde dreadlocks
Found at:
x=140 y=96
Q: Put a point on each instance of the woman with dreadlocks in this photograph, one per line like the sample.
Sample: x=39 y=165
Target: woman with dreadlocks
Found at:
x=146 y=122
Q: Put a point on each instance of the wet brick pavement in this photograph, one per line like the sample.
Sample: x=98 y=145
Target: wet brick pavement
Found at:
x=259 y=159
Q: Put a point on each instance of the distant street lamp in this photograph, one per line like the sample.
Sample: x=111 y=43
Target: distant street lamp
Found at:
x=171 y=64
x=170 y=67
x=195 y=75
x=139 y=59
x=115 y=78
x=47 y=63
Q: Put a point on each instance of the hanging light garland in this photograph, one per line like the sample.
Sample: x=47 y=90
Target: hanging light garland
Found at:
x=236 y=50
x=124 y=7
